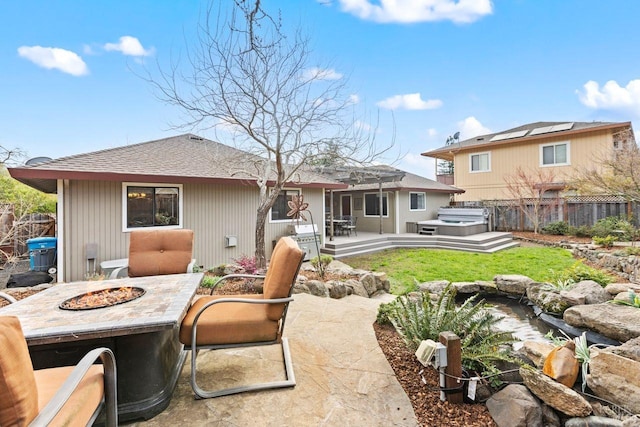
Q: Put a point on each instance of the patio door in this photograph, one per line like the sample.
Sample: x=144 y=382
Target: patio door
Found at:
x=345 y=204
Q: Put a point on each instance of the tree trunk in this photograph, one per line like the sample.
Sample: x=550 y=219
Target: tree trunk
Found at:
x=261 y=219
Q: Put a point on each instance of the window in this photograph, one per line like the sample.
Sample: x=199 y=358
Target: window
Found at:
x=480 y=162
x=372 y=204
x=150 y=206
x=281 y=207
x=418 y=201
x=554 y=154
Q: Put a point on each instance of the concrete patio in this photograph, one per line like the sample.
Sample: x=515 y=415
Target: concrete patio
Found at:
x=343 y=378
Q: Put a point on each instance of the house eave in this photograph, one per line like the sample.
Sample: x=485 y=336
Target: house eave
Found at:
x=46 y=180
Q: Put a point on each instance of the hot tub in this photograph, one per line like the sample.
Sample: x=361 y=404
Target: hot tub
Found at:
x=451 y=228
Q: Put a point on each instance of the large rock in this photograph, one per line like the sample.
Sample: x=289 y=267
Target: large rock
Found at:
x=336 y=289
x=549 y=301
x=374 y=282
x=554 y=394
x=586 y=292
x=616 y=379
x=466 y=287
x=630 y=349
x=317 y=288
x=434 y=287
x=593 y=421
x=616 y=288
x=357 y=288
x=618 y=322
x=536 y=351
x=514 y=284
x=515 y=406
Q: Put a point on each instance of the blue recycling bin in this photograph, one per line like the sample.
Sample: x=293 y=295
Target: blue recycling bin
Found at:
x=42 y=253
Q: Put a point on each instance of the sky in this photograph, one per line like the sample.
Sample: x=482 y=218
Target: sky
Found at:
x=72 y=71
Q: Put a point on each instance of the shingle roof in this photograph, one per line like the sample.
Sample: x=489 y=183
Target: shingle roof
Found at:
x=408 y=181
x=485 y=140
x=178 y=159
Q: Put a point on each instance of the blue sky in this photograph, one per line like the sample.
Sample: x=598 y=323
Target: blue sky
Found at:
x=70 y=68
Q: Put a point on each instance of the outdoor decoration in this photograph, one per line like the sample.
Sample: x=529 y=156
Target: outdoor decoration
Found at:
x=297 y=206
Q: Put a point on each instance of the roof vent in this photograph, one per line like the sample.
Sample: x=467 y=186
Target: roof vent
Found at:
x=480 y=139
x=196 y=138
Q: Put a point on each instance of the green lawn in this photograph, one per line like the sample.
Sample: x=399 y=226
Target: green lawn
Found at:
x=405 y=266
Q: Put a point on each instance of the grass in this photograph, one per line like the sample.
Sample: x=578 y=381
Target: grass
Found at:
x=406 y=266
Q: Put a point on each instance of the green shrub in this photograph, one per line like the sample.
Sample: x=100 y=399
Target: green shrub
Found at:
x=210 y=281
x=579 y=272
x=559 y=228
x=633 y=301
x=325 y=260
x=582 y=231
x=606 y=242
x=614 y=226
x=632 y=250
x=419 y=318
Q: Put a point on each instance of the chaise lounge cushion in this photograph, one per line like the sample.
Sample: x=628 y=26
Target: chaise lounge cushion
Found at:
x=282 y=272
x=156 y=252
x=229 y=323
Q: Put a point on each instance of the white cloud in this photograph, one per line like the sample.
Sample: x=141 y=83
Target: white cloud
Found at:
x=129 y=46
x=612 y=96
x=321 y=74
x=419 y=165
x=411 y=101
x=408 y=11
x=55 y=58
x=471 y=127
x=432 y=132
x=354 y=99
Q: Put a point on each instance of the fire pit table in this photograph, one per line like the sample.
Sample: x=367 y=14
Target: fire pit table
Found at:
x=142 y=332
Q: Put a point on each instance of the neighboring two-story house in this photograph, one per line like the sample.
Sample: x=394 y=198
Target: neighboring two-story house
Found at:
x=480 y=164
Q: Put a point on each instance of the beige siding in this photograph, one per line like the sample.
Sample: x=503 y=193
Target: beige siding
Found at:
x=434 y=201
x=94 y=215
x=584 y=150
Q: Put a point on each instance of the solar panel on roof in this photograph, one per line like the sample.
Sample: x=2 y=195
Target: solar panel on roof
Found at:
x=509 y=135
x=554 y=128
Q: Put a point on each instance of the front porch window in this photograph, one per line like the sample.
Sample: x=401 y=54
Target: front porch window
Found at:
x=147 y=205
x=372 y=204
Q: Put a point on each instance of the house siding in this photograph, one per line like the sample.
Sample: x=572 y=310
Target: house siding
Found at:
x=94 y=215
x=584 y=151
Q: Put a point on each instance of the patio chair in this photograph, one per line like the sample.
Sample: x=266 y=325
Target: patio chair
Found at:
x=158 y=252
x=219 y=322
x=350 y=225
x=69 y=396
x=5 y=296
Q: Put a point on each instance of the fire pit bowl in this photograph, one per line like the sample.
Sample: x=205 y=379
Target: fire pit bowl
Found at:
x=102 y=298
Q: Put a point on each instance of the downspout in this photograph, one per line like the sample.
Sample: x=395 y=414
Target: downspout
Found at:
x=397 y=205
x=330 y=215
x=60 y=218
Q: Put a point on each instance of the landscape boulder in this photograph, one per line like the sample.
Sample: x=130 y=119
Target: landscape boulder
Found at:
x=547 y=300
x=515 y=406
x=434 y=287
x=618 y=322
x=585 y=292
x=514 y=284
x=558 y=396
x=616 y=379
x=536 y=351
x=629 y=349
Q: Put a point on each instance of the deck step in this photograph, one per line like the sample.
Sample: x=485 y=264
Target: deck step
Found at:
x=481 y=243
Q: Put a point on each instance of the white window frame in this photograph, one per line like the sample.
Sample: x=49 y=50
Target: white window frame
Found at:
x=555 y=144
x=151 y=185
x=276 y=221
x=424 y=199
x=488 y=154
x=385 y=198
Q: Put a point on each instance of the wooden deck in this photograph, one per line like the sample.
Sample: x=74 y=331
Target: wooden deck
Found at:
x=366 y=242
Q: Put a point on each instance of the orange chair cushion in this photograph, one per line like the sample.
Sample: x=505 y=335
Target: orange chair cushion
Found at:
x=18 y=392
x=281 y=274
x=84 y=401
x=156 y=252
x=229 y=323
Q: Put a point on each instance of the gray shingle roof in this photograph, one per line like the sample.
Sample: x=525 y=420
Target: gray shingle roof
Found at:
x=485 y=140
x=179 y=159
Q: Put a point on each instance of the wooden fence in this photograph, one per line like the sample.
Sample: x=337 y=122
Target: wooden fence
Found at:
x=576 y=211
x=15 y=233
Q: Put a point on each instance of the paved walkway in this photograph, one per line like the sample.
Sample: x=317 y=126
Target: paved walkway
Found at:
x=343 y=378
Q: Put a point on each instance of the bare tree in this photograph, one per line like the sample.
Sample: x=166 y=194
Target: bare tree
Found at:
x=246 y=75
x=616 y=172
x=530 y=190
